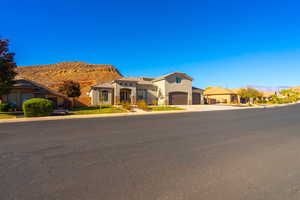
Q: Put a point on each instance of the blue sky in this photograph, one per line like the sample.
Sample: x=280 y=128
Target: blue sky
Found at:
x=229 y=43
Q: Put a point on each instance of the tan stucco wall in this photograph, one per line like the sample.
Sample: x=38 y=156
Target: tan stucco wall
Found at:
x=151 y=92
x=95 y=96
x=161 y=92
x=17 y=97
x=169 y=85
x=117 y=89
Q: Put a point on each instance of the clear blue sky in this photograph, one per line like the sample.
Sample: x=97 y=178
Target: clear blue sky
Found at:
x=230 y=43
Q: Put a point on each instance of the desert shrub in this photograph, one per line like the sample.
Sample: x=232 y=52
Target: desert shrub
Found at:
x=127 y=106
x=5 y=107
x=154 y=102
x=260 y=101
x=142 y=105
x=37 y=107
x=282 y=101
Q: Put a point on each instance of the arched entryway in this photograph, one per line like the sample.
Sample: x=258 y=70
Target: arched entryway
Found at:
x=125 y=95
x=178 y=98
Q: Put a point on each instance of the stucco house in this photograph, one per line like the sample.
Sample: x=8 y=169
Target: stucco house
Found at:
x=214 y=95
x=23 y=90
x=171 y=89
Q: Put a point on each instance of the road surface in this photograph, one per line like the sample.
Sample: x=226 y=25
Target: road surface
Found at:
x=242 y=154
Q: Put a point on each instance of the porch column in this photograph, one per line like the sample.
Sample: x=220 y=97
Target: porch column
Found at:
x=116 y=95
x=133 y=96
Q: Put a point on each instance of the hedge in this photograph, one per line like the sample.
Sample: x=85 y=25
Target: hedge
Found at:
x=5 y=107
x=37 y=107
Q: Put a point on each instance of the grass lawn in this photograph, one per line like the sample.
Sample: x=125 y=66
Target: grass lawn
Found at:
x=164 y=108
x=96 y=110
x=7 y=115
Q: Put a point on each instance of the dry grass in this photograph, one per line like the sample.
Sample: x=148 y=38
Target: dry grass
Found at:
x=96 y=110
x=164 y=108
x=7 y=115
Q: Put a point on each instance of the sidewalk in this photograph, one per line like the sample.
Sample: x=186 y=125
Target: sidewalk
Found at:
x=188 y=108
x=199 y=108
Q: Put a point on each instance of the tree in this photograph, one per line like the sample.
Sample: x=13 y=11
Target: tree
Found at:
x=70 y=89
x=249 y=94
x=7 y=68
x=290 y=94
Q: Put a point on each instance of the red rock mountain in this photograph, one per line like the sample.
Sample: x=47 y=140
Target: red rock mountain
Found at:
x=297 y=88
x=53 y=75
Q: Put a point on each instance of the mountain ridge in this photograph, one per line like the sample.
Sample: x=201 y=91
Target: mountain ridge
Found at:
x=52 y=75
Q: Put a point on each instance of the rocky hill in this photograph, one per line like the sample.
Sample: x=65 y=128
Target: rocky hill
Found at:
x=297 y=88
x=268 y=88
x=53 y=75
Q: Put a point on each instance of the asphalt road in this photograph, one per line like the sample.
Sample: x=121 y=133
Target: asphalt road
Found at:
x=242 y=154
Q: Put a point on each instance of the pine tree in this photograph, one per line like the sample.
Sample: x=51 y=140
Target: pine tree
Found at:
x=7 y=68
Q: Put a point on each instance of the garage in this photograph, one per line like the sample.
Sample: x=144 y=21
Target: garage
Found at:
x=196 y=98
x=178 y=98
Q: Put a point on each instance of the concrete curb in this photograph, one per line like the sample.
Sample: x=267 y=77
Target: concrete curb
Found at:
x=16 y=120
x=50 y=118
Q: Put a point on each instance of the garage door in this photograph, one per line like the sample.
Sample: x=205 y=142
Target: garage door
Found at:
x=196 y=98
x=178 y=98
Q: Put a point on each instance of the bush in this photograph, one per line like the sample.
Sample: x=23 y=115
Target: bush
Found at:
x=127 y=106
x=154 y=102
x=5 y=107
x=142 y=105
x=37 y=107
x=260 y=101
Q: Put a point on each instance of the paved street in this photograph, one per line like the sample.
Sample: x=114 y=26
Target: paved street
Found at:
x=239 y=154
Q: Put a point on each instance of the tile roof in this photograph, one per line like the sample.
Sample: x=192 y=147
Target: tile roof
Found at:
x=197 y=89
x=138 y=80
x=171 y=74
x=28 y=84
x=103 y=85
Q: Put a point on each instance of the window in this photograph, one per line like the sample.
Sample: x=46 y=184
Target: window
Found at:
x=104 y=96
x=178 y=80
x=142 y=95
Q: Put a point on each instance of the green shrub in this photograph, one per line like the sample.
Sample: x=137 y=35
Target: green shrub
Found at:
x=5 y=107
x=37 y=107
x=142 y=105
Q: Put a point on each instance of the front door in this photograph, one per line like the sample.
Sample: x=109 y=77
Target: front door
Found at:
x=125 y=96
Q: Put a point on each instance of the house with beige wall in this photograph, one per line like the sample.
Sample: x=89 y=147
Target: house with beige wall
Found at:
x=214 y=95
x=171 y=89
x=24 y=89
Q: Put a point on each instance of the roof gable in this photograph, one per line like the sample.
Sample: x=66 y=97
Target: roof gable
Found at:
x=25 y=83
x=184 y=75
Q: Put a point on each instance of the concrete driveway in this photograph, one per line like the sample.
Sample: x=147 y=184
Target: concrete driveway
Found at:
x=210 y=107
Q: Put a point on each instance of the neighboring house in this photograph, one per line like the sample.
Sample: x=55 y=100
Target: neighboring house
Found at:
x=24 y=89
x=214 y=95
x=171 y=89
